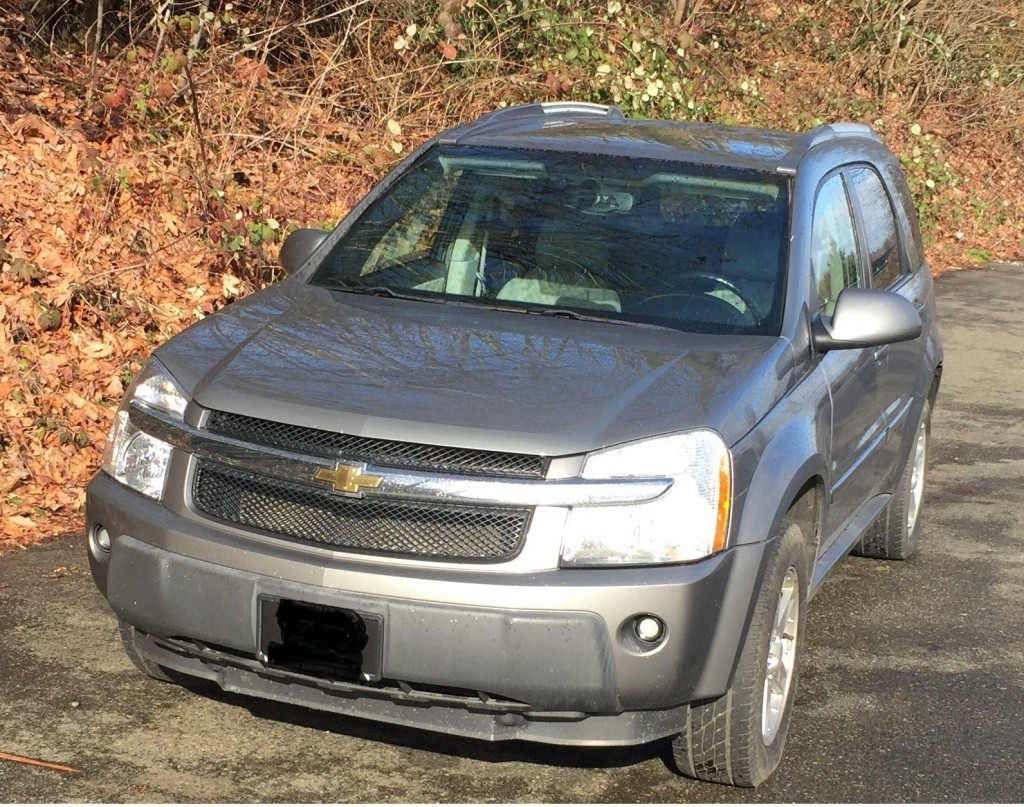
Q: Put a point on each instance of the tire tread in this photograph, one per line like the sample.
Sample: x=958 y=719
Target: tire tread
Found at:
x=721 y=740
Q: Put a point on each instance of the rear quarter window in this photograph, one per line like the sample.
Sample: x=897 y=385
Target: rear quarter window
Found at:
x=907 y=212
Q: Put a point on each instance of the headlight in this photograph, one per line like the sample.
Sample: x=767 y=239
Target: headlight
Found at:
x=688 y=522
x=131 y=456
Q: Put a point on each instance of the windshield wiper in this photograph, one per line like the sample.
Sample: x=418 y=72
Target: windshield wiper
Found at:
x=376 y=291
x=568 y=313
x=497 y=305
x=383 y=291
x=612 y=316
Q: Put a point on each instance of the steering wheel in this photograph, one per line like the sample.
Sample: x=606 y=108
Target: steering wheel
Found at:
x=692 y=303
x=694 y=306
x=709 y=278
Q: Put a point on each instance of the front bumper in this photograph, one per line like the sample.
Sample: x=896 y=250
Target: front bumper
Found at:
x=545 y=656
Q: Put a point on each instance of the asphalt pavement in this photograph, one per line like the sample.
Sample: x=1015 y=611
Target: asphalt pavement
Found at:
x=911 y=689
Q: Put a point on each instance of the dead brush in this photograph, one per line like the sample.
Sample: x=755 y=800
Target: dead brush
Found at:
x=281 y=111
x=938 y=52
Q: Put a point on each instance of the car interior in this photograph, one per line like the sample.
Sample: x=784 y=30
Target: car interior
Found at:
x=666 y=248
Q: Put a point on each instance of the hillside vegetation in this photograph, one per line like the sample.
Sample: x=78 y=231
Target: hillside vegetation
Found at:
x=153 y=155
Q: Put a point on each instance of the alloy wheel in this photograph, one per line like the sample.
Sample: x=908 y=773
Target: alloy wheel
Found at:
x=917 y=477
x=781 y=656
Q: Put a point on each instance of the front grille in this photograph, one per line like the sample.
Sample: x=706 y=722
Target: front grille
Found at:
x=388 y=453
x=374 y=525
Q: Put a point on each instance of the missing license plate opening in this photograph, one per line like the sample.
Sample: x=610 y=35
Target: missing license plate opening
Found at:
x=320 y=640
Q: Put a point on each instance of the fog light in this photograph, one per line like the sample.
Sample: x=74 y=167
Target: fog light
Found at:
x=101 y=537
x=648 y=628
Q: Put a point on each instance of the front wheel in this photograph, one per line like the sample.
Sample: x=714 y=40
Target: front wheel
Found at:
x=737 y=739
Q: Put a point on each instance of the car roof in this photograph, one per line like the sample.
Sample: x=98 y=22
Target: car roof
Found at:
x=596 y=129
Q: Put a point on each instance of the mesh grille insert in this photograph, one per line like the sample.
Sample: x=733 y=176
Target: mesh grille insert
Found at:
x=388 y=453
x=373 y=525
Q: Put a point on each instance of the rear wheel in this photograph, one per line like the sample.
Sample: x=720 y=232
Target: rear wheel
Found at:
x=737 y=739
x=894 y=536
x=144 y=665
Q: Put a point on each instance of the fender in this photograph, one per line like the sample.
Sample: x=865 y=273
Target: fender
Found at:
x=785 y=451
x=778 y=457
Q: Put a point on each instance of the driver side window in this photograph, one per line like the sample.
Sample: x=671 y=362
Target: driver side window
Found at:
x=835 y=260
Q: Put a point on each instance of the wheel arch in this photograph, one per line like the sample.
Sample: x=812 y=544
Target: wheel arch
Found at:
x=801 y=503
x=789 y=475
x=933 y=390
x=789 y=471
x=805 y=511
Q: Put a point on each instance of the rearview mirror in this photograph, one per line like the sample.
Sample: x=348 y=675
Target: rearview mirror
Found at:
x=866 y=318
x=299 y=247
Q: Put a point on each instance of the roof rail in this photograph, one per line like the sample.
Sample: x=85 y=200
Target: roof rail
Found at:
x=823 y=134
x=555 y=109
x=581 y=108
x=833 y=131
x=568 y=108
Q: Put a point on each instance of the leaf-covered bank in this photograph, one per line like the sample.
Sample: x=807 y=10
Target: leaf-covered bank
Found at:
x=153 y=155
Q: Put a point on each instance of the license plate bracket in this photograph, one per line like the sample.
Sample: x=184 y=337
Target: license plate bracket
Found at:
x=324 y=641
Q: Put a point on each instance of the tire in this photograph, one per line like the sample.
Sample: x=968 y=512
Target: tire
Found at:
x=144 y=665
x=895 y=534
x=734 y=739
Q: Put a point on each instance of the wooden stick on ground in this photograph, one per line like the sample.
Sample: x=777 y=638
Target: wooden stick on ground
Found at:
x=39 y=763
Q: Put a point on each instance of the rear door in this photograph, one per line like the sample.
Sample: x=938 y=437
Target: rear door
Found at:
x=889 y=266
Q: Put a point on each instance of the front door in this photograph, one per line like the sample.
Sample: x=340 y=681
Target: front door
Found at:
x=858 y=419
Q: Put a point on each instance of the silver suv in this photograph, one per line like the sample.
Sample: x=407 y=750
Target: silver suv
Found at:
x=553 y=438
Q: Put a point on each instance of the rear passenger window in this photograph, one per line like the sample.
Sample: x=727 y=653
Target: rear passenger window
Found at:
x=879 y=221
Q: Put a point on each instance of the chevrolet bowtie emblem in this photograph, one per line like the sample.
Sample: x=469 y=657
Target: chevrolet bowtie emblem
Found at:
x=348 y=478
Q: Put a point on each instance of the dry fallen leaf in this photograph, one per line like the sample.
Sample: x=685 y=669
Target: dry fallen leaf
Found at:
x=62 y=571
x=34 y=126
x=230 y=286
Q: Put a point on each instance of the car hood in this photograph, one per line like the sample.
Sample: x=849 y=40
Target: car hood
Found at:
x=469 y=376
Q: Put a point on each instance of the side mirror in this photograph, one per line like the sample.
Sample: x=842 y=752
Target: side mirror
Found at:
x=866 y=318
x=298 y=247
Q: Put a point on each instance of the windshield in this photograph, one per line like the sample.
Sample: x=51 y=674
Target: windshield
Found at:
x=687 y=246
